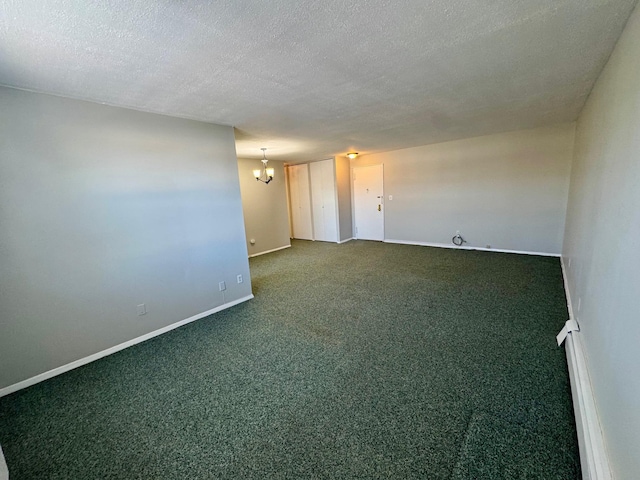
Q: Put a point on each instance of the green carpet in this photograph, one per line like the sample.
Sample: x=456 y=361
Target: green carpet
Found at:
x=361 y=360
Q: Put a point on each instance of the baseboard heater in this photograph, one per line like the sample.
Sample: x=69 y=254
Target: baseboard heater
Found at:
x=593 y=456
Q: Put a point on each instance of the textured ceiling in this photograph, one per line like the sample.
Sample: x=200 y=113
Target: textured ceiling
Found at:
x=310 y=79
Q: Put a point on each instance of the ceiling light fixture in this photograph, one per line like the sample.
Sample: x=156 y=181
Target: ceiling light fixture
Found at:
x=266 y=174
x=352 y=155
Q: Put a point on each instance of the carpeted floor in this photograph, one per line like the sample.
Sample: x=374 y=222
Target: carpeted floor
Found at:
x=361 y=360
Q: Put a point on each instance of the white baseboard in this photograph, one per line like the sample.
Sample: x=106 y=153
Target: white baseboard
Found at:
x=454 y=247
x=269 y=251
x=4 y=471
x=347 y=240
x=593 y=455
x=91 y=358
x=567 y=292
x=594 y=461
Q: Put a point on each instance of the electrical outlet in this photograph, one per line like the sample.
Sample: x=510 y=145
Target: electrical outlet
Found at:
x=457 y=232
x=142 y=309
x=222 y=286
x=579 y=303
x=240 y=279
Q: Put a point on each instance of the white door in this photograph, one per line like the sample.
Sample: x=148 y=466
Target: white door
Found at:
x=323 y=201
x=300 y=202
x=368 y=202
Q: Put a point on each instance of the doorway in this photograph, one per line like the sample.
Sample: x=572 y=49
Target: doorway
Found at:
x=368 y=202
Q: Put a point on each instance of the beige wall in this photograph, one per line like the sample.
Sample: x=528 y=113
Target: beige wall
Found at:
x=102 y=209
x=602 y=247
x=266 y=217
x=343 y=181
x=507 y=190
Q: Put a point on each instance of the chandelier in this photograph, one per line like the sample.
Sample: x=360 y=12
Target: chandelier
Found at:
x=264 y=175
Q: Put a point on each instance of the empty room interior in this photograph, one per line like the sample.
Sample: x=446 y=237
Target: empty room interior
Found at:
x=362 y=239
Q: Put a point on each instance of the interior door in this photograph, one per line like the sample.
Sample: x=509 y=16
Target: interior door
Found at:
x=300 y=202
x=323 y=195
x=368 y=199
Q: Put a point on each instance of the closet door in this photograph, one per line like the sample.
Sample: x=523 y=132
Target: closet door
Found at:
x=323 y=197
x=300 y=199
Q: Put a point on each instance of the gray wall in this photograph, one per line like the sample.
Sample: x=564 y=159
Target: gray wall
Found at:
x=343 y=182
x=602 y=247
x=507 y=190
x=102 y=209
x=266 y=216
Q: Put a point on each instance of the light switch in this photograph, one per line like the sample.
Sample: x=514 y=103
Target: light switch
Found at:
x=390 y=197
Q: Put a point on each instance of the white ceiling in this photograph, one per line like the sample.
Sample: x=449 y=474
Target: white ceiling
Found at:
x=310 y=79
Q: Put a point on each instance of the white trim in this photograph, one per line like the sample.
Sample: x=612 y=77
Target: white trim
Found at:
x=594 y=461
x=4 y=470
x=269 y=251
x=454 y=247
x=83 y=361
x=347 y=240
x=593 y=455
x=567 y=292
x=569 y=326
